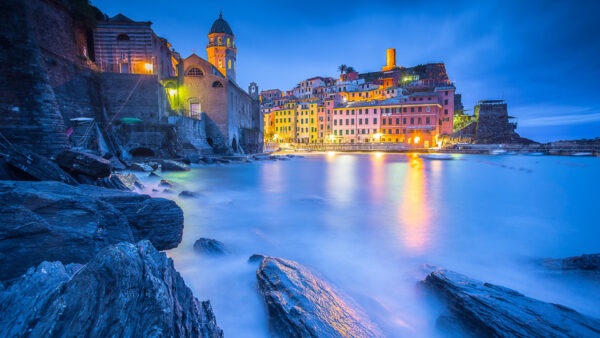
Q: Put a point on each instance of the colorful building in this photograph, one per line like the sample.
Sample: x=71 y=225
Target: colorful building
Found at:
x=413 y=105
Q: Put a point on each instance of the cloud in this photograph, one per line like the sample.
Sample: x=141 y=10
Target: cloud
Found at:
x=559 y=120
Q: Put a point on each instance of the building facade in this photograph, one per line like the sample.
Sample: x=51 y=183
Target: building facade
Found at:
x=122 y=45
x=414 y=106
x=207 y=90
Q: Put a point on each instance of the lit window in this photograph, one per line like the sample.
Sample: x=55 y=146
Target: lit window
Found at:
x=228 y=44
x=229 y=64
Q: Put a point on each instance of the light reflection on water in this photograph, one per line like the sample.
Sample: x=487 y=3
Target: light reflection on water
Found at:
x=368 y=222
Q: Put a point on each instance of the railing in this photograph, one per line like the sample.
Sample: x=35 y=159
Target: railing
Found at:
x=339 y=146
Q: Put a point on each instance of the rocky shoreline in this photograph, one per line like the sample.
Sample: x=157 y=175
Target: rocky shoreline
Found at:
x=84 y=260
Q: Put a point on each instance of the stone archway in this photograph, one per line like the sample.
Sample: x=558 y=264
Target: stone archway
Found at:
x=142 y=152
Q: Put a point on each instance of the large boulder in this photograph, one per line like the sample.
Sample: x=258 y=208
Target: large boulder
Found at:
x=126 y=290
x=489 y=310
x=300 y=304
x=74 y=161
x=170 y=165
x=55 y=221
x=26 y=165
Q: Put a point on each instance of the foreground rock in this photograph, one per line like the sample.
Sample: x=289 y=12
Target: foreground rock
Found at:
x=126 y=290
x=210 y=246
x=169 y=165
x=54 y=221
x=29 y=166
x=584 y=263
x=74 y=161
x=128 y=182
x=489 y=310
x=301 y=304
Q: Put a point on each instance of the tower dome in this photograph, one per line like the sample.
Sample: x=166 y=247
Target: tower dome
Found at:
x=220 y=26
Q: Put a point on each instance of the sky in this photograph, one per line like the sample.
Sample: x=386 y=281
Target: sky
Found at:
x=542 y=57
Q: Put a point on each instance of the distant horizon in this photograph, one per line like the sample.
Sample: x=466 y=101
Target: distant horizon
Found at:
x=521 y=52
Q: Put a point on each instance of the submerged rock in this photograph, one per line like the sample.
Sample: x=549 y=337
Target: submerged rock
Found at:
x=54 y=221
x=153 y=174
x=170 y=165
x=256 y=258
x=74 y=161
x=127 y=182
x=125 y=290
x=210 y=246
x=587 y=263
x=166 y=183
x=490 y=310
x=188 y=194
x=301 y=304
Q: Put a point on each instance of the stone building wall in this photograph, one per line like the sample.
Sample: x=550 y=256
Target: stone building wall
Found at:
x=133 y=95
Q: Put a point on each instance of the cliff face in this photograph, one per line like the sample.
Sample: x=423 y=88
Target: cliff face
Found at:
x=29 y=114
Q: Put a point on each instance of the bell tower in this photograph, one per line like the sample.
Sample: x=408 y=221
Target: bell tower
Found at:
x=253 y=90
x=221 y=48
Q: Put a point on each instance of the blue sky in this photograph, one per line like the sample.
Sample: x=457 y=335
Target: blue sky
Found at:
x=543 y=57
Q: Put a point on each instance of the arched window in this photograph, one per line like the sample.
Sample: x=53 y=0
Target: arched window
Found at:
x=229 y=64
x=195 y=72
x=123 y=37
x=217 y=84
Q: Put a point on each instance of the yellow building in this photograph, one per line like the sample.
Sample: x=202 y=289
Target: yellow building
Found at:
x=284 y=122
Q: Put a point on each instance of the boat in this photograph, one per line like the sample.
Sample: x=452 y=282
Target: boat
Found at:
x=582 y=154
x=436 y=156
x=536 y=153
x=497 y=152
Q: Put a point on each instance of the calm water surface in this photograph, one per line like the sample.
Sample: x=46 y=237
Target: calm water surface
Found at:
x=370 y=223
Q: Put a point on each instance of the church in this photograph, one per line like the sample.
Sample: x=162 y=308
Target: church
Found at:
x=208 y=90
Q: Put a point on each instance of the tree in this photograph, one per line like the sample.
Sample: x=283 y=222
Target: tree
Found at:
x=342 y=68
x=350 y=69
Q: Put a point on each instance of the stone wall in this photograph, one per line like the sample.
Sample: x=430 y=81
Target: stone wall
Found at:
x=191 y=135
x=29 y=113
x=133 y=95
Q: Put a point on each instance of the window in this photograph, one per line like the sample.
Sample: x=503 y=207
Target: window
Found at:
x=359 y=121
x=427 y=120
x=220 y=63
x=412 y=120
x=445 y=101
x=419 y=120
x=404 y=109
x=123 y=37
x=352 y=121
x=228 y=44
x=446 y=93
x=383 y=121
x=229 y=63
x=397 y=121
x=404 y=121
x=347 y=121
x=347 y=132
x=428 y=109
x=375 y=121
x=420 y=109
x=195 y=72
x=217 y=84
x=352 y=131
x=397 y=131
x=445 y=111
x=219 y=41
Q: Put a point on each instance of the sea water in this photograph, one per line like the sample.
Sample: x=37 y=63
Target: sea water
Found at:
x=374 y=224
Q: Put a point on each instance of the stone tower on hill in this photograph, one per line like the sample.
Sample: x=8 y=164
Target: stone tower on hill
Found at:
x=221 y=48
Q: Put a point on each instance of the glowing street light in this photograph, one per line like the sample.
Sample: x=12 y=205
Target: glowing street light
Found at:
x=172 y=91
x=417 y=139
